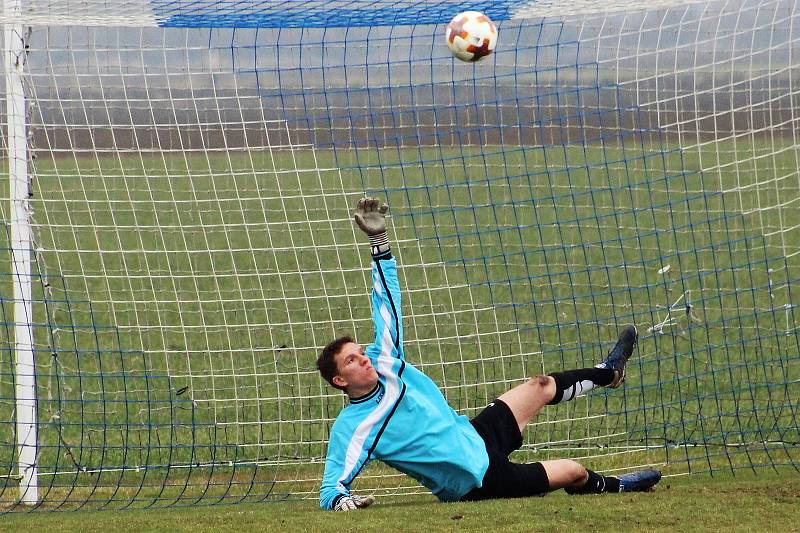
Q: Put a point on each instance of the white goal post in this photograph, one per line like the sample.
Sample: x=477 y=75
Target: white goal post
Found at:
x=21 y=242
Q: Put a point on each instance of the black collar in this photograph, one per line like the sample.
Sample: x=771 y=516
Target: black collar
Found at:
x=367 y=396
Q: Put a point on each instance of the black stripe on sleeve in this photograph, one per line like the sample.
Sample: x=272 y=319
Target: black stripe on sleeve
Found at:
x=394 y=309
x=336 y=500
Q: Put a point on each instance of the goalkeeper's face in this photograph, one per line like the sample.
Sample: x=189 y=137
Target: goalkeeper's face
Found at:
x=354 y=370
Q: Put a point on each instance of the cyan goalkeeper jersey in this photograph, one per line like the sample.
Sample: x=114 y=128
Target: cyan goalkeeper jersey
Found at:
x=405 y=421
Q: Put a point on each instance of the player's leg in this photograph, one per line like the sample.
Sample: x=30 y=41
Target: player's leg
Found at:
x=609 y=373
x=505 y=479
x=618 y=357
x=526 y=400
x=575 y=479
x=563 y=473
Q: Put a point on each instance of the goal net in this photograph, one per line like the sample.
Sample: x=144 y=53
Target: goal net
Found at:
x=192 y=167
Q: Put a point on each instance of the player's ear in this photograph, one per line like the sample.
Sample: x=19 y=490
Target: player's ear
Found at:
x=339 y=381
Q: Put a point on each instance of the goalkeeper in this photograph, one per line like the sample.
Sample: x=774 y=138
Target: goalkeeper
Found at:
x=398 y=415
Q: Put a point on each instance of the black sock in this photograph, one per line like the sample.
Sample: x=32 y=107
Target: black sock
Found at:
x=572 y=383
x=596 y=484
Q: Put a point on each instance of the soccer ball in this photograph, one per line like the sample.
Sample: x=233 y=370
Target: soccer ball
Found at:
x=471 y=36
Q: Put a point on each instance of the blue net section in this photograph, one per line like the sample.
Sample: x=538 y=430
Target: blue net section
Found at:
x=317 y=14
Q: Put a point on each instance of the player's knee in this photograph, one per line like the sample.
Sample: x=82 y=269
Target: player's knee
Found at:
x=540 y=381
x=578 y=473
x=544 y=386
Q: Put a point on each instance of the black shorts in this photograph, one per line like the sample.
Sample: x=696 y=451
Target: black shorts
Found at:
x=503 y=479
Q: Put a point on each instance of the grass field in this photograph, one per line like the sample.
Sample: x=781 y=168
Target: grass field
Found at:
x=186 y=297
x=746 y=502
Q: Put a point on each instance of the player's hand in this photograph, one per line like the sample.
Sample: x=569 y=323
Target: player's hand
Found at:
x=369 y=216
x=351 y=503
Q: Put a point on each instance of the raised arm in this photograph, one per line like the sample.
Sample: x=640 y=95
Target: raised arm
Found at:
x=355 y=433
x=387 y=314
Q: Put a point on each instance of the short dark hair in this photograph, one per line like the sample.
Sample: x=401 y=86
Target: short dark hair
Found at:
x=326 y=362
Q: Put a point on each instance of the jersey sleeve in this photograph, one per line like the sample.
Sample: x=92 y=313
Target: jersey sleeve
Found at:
x=387 y=315
x=346 y=457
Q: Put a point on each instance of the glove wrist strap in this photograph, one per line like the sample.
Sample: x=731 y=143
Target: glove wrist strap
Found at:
x=379 y=243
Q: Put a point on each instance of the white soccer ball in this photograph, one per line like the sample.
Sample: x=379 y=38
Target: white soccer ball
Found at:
x=471 y=36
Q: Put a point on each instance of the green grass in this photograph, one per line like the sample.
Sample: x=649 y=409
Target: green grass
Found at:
x=698 y=503
x=186 y=299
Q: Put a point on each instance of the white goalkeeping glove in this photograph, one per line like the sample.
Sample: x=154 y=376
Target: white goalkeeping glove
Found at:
x=351 y=503
x=370 y=216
